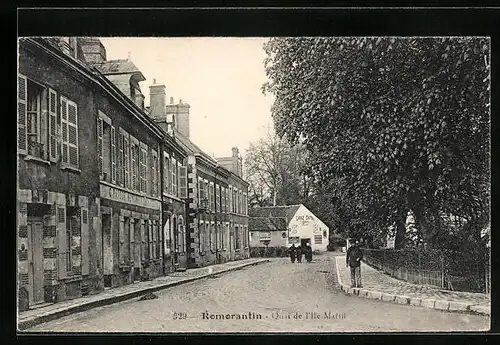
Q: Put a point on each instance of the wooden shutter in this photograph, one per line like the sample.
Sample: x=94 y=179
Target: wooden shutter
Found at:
x=85 y=240
x=113 y=155
x=100 y=134
x=169 y=182
x=119 y=160
x=126 y=156
x=64 y=124
x=73 y=134
x=52 y=125
x=61 y=240
x=121 y=239
x=183 y=182
x=22 y=96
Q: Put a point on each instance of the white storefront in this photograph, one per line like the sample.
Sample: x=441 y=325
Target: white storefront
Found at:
x=304 y=227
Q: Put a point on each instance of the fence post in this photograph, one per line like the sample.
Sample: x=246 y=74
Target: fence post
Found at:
x=442 y=270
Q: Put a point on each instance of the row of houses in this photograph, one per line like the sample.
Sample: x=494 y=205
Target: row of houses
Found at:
x=111 y=192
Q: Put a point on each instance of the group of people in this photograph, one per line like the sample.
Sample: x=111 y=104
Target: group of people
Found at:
x=296 y=252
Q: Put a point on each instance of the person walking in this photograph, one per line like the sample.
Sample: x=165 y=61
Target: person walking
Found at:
x=308 y=252
x=353 y=260
x=299 y=254
x=292 y=251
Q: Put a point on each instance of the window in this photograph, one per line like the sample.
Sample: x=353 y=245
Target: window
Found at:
x=36 y=122
x=226 y=235
x=119 y=158
x=73 y=229
x=174 y=177
x=39 y=121
x=153 y=173
x=212 y=197
x=134 y=162
x=125 y=241
x=217 y=198
x=245 y=236
x=201 y=232
x=143 y=154
x=223 y=199
x=201 y=190
x=236 y=237
x=148 y=224
x=182 y=235
x=166 y=180
x=158 y=239
x=126 y=162
x=69 y=123
x=183 y=182
x=169 y=176
x=212 y=236
x=230 y=205
x=318 y=239
x=105 y=145
x=220 y=237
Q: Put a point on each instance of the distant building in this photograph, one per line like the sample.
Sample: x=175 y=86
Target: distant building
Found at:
x=282 y=226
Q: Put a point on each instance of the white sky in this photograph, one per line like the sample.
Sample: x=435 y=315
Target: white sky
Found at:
x=220 y=78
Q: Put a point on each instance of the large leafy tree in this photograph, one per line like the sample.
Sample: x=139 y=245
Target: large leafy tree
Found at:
x=403 y=124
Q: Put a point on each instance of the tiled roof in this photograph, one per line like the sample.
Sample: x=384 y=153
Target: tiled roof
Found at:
x=274 y=211
x=117 y=66
x=267 y=223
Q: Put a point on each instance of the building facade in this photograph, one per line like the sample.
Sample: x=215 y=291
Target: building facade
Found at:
x=111 y=192
x=282 y=226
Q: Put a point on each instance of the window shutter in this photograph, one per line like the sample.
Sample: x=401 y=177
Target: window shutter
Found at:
x=100 y=134
x=183 y=182
x=22 y=95
x=174 y=176
x=119 y=165
x=113 y=155
x=61 y=240
x=126 y=154
x=73 y=134
x=64 y=123
x=52 y=125
x=169 y=190
x=85 y=240
x=165 y=174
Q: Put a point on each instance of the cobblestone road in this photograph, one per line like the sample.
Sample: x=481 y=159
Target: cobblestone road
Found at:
x=275 y=291
x=373 y=279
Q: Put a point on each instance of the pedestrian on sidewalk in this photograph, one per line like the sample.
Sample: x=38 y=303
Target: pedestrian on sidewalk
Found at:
x=308 y=252
x=299 y=254
x=292 y=251
x=353 y=260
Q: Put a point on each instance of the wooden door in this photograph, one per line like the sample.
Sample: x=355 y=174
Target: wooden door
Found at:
x=35 y=233
x=107 y=249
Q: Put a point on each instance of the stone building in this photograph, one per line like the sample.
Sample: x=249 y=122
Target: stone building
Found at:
x=58 y=197
x=282 y=226
x=216 y=224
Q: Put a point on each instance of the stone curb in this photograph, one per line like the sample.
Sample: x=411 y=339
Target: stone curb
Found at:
x=59 y=313
x=451 y=306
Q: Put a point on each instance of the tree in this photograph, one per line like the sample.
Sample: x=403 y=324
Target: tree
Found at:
x=274 y=171
x=403 y=124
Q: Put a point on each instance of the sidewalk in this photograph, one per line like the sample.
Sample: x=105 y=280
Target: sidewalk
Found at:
x=54 y=311
x=378 y=285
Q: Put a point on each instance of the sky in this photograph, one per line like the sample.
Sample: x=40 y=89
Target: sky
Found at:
x=220 y=78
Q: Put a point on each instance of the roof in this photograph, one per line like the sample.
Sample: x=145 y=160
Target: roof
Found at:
x=118 y=67
x=287 y=211
x=190 y=146
x=267 y=223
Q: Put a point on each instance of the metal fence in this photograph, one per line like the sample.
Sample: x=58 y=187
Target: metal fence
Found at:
x=449 y=270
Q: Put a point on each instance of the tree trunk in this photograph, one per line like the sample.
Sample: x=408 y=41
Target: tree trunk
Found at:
x=275 y=192
x=399 y=242
x=420 y=223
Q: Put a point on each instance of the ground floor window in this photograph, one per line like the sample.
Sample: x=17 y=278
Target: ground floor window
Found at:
x=125 y=241
x=318 y=239
x=236 y=237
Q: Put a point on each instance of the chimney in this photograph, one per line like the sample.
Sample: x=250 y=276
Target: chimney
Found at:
x=181 y=113
x=235 y=152
x=93 y=50
x=157 y=102
x=171 y=100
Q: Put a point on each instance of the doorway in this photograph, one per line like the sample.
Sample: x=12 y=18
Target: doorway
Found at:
x=303 y=241
x=107 y=250
x=35 y=256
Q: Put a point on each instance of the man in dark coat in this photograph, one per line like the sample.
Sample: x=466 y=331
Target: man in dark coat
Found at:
x=299 y=254
x=309 y=252
x=353 y=260
x=292 y=250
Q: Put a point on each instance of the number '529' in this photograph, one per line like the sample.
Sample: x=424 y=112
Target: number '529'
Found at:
x=180 y=316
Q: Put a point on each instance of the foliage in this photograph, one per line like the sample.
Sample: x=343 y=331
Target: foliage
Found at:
x=391 y=125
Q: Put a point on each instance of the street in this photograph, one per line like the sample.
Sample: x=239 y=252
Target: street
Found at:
x=272 y=297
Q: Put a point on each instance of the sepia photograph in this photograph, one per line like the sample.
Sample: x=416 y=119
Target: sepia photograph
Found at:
x=253 y=184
